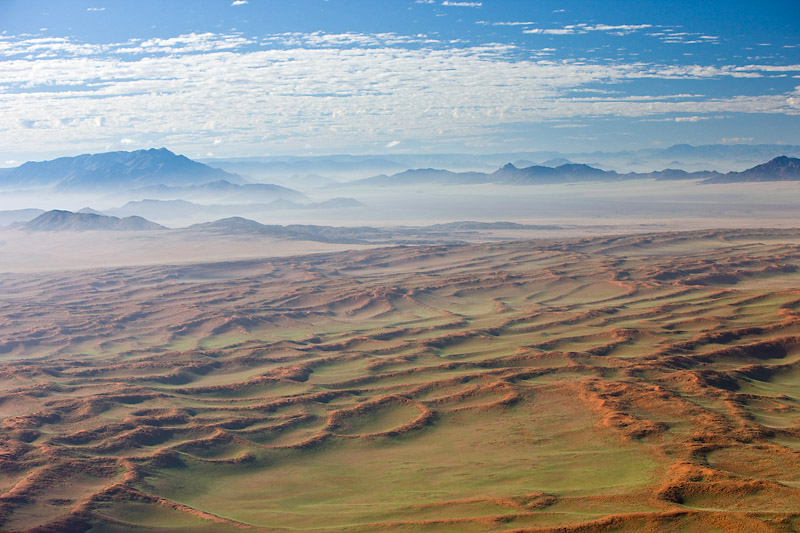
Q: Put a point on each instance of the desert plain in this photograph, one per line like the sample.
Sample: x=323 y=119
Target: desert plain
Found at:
x=643 y=382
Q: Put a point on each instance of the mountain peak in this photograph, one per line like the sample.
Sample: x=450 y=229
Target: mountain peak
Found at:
x=781 y=168
x=59 y=220
x=116 y=170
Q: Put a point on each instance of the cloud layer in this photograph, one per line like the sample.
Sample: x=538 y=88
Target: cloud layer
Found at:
x=298 y=89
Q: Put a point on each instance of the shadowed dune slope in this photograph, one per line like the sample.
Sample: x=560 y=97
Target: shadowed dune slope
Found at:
x=625 y=383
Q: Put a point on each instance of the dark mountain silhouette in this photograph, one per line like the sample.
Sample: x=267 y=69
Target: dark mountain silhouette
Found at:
x=779 y=169
x=114 y=170
x=68 y=221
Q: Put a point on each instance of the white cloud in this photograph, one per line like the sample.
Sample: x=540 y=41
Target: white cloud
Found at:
x=624 y=27
x=238 y=2
x=127 y=142
x=506 y=23
x=293 y=89
x=462 y=4
x=392 y=144
x=552 y=31
x=736 y=140
x=95 y=9
x=572 y=29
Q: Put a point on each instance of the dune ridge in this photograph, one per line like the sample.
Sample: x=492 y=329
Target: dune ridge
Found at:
x=638 y=382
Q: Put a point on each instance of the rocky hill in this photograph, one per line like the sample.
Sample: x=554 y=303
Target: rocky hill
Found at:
x=57 y=220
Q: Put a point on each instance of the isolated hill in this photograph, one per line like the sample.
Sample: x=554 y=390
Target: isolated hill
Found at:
x=779 y=169
x=114 y=170
x=230 y=226
x=301 y=232
x=89 y=210
x=450 y=232
x=57 y=220
x=470 y=225
x=222 y=191
x=335 y=203
x=424 y=176
x=156 y=209
x=539 y=174
x=311 y=181
x=18 y=215
x=678 y=174
x=555 y=162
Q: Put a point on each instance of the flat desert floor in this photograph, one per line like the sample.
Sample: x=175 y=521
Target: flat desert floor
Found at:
x=631 y=383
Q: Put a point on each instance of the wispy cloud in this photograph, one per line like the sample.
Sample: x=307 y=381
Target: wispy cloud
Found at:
x=507 y=23
x=450 y=3
x=572 y=29
x=551 y=31
x=95 y=9
x=238 y=2
x=673 y=35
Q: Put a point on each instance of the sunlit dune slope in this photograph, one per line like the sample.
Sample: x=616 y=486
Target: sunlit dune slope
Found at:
x=627 y=383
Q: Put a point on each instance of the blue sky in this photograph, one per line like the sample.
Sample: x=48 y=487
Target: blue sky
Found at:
x=239 y=78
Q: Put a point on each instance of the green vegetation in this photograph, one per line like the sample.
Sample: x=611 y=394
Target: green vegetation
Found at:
x=627 y=383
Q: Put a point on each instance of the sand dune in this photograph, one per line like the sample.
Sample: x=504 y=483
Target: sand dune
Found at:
x=642 y=382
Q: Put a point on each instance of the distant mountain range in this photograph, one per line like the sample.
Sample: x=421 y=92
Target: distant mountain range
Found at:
x=114 y=170
x=57 y=220
x=287 y=170
x=167 y=211
x=161 y=174
x=18 y=215
x=779 y=169
x=67 y=221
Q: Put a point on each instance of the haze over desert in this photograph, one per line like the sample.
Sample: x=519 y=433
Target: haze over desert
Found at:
x=414 y=265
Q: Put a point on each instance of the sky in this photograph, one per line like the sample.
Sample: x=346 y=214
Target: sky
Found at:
x=241 y=78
